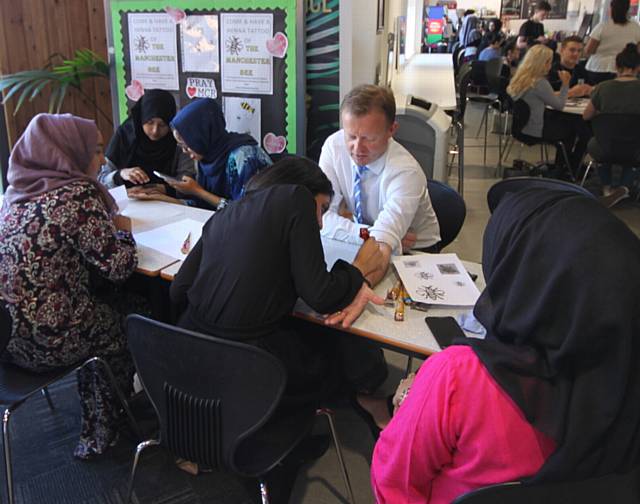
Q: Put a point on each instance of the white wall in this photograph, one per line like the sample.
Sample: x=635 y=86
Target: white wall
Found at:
x=414 y=28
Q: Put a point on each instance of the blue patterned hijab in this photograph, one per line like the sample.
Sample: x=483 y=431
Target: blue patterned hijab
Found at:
x=202 y=126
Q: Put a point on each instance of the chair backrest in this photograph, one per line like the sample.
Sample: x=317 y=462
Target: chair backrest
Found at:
x=210 y=394
x=479 y=73
x=618 y=136
x=497 y=79
x=449 y=208
x=619 y=488
x=517 y=184
x=455 y=54
x=464 y=80
x=521 y=114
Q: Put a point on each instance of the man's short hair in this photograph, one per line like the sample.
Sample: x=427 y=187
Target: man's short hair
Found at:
x=571 y=38
x=543 y=6
x=365 y=98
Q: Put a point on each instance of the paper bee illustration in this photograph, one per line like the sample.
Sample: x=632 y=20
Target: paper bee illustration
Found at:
x=431 y=292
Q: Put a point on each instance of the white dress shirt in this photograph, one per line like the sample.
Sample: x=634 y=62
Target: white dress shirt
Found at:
x=394 y=196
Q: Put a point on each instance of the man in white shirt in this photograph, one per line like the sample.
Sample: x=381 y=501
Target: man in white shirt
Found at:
x=377 y=183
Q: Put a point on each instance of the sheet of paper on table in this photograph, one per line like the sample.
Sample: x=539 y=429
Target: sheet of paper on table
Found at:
x=334 y=250
x=437 y=279
x=170 y=238
x=119 y=193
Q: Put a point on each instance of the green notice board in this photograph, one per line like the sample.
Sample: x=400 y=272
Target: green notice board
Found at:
x=243 y=53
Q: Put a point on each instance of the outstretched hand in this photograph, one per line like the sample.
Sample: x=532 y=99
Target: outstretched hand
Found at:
x=187 y=185
x=348 y=315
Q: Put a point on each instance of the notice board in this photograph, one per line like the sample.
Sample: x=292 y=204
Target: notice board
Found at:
x=243 y=53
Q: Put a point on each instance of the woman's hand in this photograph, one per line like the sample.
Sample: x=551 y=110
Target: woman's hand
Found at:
x=187 y=185
x=348 y=315
x=135 y=175
x=149 y=188
x=153 y=196
x=565 y=77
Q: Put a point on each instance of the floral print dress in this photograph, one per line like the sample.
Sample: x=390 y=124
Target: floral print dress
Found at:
x=49 y=246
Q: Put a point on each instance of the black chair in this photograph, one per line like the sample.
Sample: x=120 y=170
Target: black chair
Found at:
x=618 y=488
x=615 y=141
x=218 y=401
x=17 y=385
x=517 y=184
x=450 y=210
x=521 y=114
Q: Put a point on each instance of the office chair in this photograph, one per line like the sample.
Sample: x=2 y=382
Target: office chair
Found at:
x=619 y=488
x=17 y=385
x=517 y=184
x=615 y=141
x=449 y=208
x=218 y=402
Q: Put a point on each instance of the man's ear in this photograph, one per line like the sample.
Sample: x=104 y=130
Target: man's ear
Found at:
x=394 y=128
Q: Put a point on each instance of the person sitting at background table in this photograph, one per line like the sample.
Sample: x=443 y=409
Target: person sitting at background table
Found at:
x=378 y=184
x=618 y=96
x=58 y=227
x=226 y=161
x=510 y=56
x=144 y=144
x=243 y=285
x=530 y=85
x=532 y=30
x=549 y=394
x=570 y=52
x=493 y=27
x=607 y=39
x=492 y=51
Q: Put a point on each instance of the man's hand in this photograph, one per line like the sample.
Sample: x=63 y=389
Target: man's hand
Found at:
x=369 y=257
x=348 y=315
x=409 y=241
x=135 y=175
x=187 y=185
x=343 y=211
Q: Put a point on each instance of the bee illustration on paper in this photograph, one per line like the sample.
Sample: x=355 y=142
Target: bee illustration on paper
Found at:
x=234 y=45
x=424 y=275
x=141 y=44
x=431 y=292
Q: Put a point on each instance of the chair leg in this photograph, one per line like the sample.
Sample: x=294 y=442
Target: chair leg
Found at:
x=565 y=156
x=409 y=366
x=264 y=492
x=121 y=396
x=586 y=173
x=7 y=455
x=482 y=121
x=45 y=393
x=460 y=158
x=139 y=449
x=486 y=128
x=329 y=414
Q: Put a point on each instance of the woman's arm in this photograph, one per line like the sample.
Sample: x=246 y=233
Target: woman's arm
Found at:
x=589 y=112
x=591 y=48
x=547 y=95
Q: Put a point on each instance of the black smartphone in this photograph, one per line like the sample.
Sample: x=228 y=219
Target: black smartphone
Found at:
x=444 y=329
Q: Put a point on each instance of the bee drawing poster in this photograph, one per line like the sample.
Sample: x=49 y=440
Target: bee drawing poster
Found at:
x=153 y=51
x=246 y=61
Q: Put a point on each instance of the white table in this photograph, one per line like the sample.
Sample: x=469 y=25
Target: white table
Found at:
x=576 y=106
x=377 y=322
x=430 y=77
x=147 y=215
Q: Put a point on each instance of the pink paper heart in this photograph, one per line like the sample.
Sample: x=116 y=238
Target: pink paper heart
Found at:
x=178 y=15
x=135 y=90
x=274 y=144
x=191 y=91
x=277 y=46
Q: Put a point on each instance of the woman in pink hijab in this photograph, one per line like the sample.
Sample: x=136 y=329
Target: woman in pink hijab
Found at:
x=57 y=227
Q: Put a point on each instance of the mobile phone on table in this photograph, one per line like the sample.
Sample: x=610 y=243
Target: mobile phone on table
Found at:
x=166 y=178
x=444 y=329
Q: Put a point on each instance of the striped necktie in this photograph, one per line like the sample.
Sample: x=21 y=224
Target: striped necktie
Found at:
x=357 y=193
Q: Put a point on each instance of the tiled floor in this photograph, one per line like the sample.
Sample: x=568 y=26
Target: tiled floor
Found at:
x=321 y=482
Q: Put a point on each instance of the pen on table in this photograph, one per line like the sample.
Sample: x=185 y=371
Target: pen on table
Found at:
x=186 y=246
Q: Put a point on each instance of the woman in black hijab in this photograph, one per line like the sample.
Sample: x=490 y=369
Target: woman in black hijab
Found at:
x=562 y=314
x=144 y=144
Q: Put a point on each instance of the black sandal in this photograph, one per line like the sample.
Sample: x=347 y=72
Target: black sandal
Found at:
x=368 y=418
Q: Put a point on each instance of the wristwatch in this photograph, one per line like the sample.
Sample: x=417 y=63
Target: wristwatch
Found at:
x=222 y=203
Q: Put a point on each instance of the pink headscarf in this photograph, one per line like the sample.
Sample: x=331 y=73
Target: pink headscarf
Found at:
x=54 y=150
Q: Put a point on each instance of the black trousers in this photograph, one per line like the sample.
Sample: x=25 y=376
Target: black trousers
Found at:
x=572 y=131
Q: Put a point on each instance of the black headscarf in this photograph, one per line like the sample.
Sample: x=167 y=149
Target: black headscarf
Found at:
x=130 y=146
x=562 y=313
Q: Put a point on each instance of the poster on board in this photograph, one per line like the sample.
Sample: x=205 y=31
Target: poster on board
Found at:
x=153 y=50
x=243 y=115
x=247 y=64
x=199 y=44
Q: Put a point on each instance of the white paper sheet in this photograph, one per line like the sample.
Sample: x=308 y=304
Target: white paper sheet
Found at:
x=199 y=42
x=119 y=193
x=170 y=238
x=334 y=250
x=247 y=65
x=243 y=115
x=438 y=279
x=153 y=50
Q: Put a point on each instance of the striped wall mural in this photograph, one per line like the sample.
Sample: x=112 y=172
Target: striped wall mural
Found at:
x=323 y=72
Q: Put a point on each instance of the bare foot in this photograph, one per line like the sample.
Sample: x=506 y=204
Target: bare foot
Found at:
x=377 y=408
